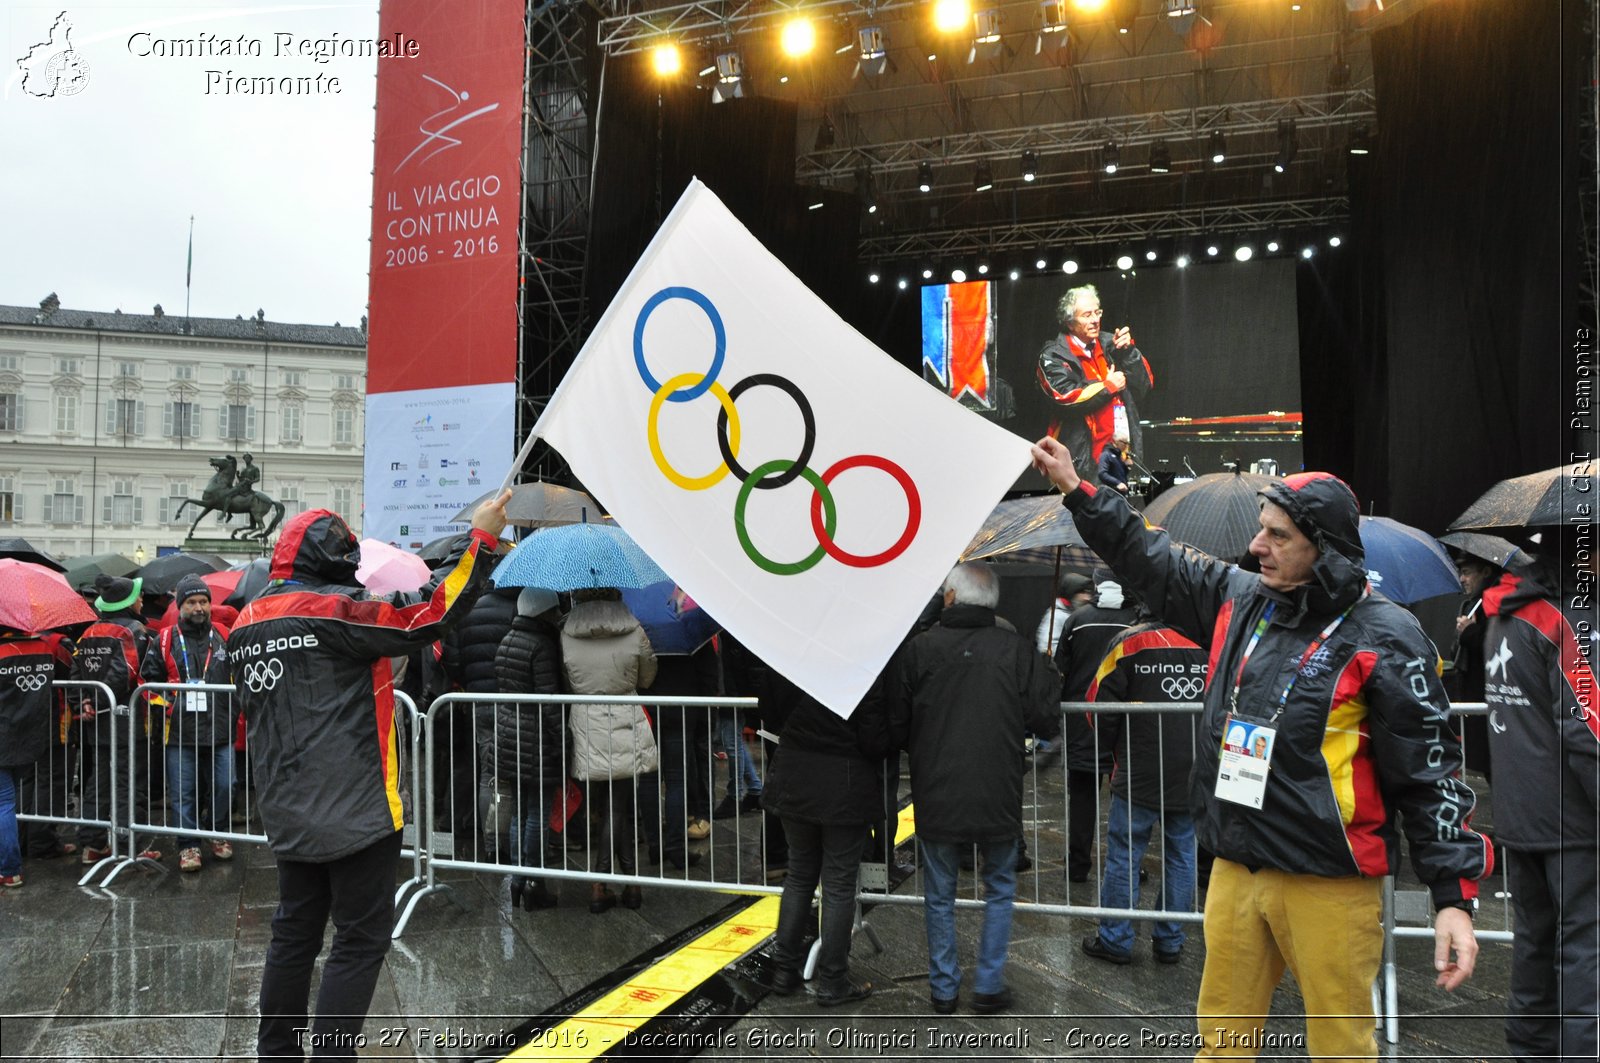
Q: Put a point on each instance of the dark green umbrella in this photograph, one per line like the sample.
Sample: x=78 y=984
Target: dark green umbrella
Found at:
x=83 y=570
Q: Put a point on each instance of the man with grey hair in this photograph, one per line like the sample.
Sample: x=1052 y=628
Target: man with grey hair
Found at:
x=960 y=696
x=1096 y=386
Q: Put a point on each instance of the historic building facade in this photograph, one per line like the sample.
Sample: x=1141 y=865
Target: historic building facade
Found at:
x=108 y=421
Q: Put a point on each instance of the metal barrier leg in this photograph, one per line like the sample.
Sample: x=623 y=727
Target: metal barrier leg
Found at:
x=1389 y=1013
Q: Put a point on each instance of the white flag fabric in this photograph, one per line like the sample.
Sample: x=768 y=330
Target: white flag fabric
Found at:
x=809 y=492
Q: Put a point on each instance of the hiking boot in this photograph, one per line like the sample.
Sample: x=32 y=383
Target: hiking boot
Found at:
x=189 y=860
x=222 y=850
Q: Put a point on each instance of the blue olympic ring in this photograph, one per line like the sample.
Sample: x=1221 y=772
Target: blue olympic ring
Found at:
x=703 y=303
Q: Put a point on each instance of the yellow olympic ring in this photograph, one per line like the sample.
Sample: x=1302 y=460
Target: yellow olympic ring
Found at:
x=653 y=431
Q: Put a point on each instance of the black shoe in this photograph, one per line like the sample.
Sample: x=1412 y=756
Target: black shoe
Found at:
x=601 y=900
x=784 y=981
x=1168 y=956
x=517 y=886
x=727 y=808
x=1100 y=951
x=682 y=861
x=1077 y=872
x=943 y=1005
x=851 y=992
x=1024 y=862
x=538 y=895
x=750 y=803
x=632 y=897
x=991 y=1003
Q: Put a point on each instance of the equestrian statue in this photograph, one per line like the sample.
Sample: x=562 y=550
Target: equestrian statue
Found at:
x=223 y=495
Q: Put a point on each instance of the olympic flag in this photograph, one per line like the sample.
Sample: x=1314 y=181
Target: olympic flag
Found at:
x=808 y=491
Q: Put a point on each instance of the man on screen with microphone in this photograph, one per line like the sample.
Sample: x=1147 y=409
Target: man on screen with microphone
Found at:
x=1095 y=384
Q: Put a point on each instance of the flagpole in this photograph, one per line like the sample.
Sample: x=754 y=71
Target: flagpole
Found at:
x=188 y=276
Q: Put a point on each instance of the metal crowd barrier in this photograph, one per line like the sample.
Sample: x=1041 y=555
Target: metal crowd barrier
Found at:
x=44 y=791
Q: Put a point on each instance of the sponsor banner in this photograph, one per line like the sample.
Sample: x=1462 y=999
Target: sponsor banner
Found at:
x=430 y=453
x=446 y=196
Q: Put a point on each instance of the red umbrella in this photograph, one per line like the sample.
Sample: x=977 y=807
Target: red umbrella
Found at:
x=33 y=598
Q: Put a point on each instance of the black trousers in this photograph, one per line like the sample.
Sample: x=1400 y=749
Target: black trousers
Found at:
x=1083 y=818
x=830 y=855
x=357 y=891
x=1550 y=1011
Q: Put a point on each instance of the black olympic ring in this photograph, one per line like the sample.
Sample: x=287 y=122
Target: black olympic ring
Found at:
x=768 y=483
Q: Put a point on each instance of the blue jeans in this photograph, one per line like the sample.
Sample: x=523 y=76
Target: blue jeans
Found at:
x=1126 y=838
x=187 y=767
x=942 y=862
x=743 y=778
x=10 y=847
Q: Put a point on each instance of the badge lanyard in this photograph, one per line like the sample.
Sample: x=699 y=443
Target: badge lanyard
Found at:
x=188 y=665
x=1316 y=644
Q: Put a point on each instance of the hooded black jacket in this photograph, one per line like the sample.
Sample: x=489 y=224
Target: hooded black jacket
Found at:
x=110 y=651
x=312 y=666
x=960 y=695
x=1365 y=733
x=1154 y=751
x=829 y=769
x=528 y=739
x=1087 y=634
x=1542 y=720
x=29 y=714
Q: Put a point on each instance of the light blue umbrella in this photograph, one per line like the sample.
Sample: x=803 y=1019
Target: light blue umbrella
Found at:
x=573 y=556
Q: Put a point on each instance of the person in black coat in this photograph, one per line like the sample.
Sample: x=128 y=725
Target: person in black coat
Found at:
x=467 y=655
x=826 y=787
x=525 y=756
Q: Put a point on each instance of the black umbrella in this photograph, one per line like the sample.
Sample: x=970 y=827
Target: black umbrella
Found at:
x=1490 y=548
x=83 y=570
x=251 y=584
x=23 y=550
x=537 y=504
x=1218 y=513
x=438 y=550
x=1553 y=496
x=161 y=576
x=1031 y=529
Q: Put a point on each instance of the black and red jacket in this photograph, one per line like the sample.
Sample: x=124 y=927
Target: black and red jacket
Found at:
x=1072 y=374
x=177 y=657
x=30 y=714
x=109 y=651
x=1154 y=752
x=1543 y=731
x=311 y=662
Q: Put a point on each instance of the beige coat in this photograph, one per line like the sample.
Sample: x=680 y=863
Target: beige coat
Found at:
x=605 y=651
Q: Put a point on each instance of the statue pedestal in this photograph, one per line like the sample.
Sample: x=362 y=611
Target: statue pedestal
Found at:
x=240 y=548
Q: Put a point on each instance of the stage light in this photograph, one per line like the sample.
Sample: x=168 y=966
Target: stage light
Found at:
x=1030 y=165
x=982 y=176
x=924 y=176
x=1110 y=155
x=902 y=284
x=1013 y=274
x=1069 y=266
x=1360 y=141
x=815 y=204
x=1211 y=249
x=1307 y=251
x=1243 y=253
x=983 y=268
x=927 y=274
x=1053 y=16
x=1090 y=6
x=1219 y=147
x=799 y=37
x=1272 y=247
x=951 y=15
x=783 y=79
x=1288 y=145
x=1160 y=158
x=1124 y=262
x=872 y=278
x=1334 y=241
x=1126 y=12
x=666 y=60
x=730 y=78
x=872 y=46
x=825 y=134
x=986 y=41
x=958 y=275
x=1182 y=262
x=866 y=190
x=1150 y=255
x=1180 y=15
x=1294 y=7
x=1039 y=263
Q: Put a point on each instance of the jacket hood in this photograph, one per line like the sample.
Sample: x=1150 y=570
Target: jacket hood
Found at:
x=1514 y=591
x=1325 y=510
x=599 y=620
x=316 y=546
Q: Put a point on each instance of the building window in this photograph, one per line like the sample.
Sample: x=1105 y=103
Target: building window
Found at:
x=124 y=417
x=344 y=500
x=177 y=491
x=181 y=420
x=10 y=505
x=63 y=505
x=128 y=370
x=289 y=495
x=238 y=376
x=66 y=411
x=67 y=367
x=344 y=426
x=183 y=372
x=10 y=413
x=10 y=363
x=292 y=378
x=344 y=382
x=238 y=422
x=122 y=505
x=289 y=418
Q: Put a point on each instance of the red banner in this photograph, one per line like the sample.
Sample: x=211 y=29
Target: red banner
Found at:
x=446 y=196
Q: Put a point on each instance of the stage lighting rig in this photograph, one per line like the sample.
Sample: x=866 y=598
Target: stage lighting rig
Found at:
x=1160 y=157
x=1360 y=141
x=1030 y=165
x=872 y=50
x=982 y=176
x=799 y=36
x=865 y=189
x=986 y=40
x=1111 y=156
x=825 y=134
x=1052 y=25
x=1218 y=147
x=1288 y=145
x=925 y=176
x=666 y=60
x=730 y=77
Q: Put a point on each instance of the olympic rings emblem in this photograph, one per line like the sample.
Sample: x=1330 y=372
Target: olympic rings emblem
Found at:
x=685 y=387
x=35 y=681
x=263 y=675
x=1182 y=688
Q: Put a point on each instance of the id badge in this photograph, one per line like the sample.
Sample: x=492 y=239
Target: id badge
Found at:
x=1119 y=421
x=1246 y=761
x=195 y=700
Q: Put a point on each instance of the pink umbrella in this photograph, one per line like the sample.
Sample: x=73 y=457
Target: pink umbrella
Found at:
x=386 y=569
x=34 y=598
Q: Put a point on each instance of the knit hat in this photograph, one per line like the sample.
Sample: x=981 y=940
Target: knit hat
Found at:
x=191 y=586
x=116 y=593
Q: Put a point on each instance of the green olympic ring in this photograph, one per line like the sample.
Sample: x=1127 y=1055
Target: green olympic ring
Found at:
x=830 y=518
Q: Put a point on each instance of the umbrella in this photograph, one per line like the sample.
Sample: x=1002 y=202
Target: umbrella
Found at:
x=435 y=552
x=1490 y=548
x=672 y=620
x=571 y=556
x=35 y=598
x=1406 y=563
x=1218 y=513
x=163 y=574
x=1031 y=529
x=23 y=550
x=82 y=570
x=537 y=504
x=1563 y=495
x=253 y=579
x=385 y=569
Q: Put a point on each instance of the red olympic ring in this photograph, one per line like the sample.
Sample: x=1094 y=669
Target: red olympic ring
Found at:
x=913 y=515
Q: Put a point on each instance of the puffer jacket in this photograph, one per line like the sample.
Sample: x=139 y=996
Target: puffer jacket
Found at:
x=528 y=739
x=1366 y=731
x=30 y=716
x=470 y=648
x=604 y=650
x=1154 y=751
x=1543 y=726
x=311 y=659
